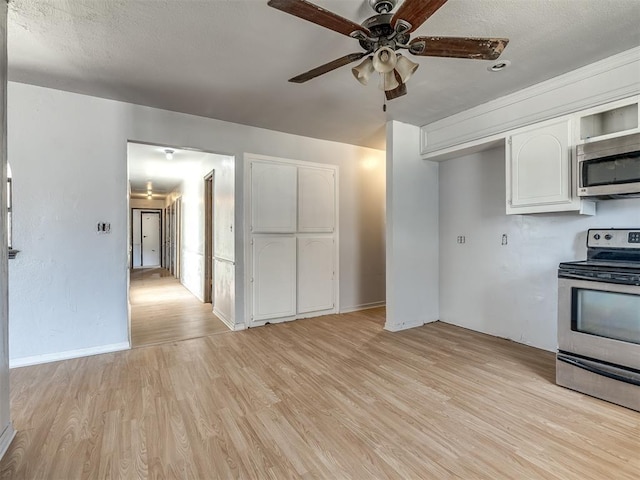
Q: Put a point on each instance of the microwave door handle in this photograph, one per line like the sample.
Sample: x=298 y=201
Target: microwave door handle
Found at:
x=633 y=379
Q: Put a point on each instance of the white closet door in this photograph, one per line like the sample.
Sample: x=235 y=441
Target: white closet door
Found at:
x=274 y=276
x=316 y=200
x=315 y=274
x=273 y=198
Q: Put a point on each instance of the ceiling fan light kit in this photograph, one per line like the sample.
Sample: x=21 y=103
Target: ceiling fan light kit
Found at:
x=363 y=71
x=383 y=34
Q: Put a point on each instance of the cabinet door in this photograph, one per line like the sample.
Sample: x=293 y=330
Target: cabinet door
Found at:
x=273 y=198
x=316 y=200
x=540 y=166
x=274 y=276
x=316 y=266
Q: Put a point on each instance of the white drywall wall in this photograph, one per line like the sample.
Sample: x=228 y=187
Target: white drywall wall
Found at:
x=68 y=155
x=412 y=231
x=6 y=430
x=145 y=203
x=191 y=192
x=509 y=291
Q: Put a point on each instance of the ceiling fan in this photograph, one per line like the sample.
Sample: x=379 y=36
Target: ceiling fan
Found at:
x=383 y=34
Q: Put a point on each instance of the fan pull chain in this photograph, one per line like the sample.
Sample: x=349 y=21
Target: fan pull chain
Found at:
x=384 y=101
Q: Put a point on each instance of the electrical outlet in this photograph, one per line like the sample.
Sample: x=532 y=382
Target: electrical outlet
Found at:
x=504 y=239
x=104 y=227
x=461 y=239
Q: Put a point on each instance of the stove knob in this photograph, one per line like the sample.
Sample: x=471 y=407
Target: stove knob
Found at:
x=608 y=236
x=596 y=236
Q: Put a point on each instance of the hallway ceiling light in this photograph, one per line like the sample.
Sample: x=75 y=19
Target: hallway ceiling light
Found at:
x=168 y=153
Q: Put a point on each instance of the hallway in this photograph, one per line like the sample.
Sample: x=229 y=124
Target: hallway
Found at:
x=163 y=311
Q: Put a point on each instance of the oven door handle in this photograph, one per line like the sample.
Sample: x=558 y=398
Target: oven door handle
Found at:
x=601 y=369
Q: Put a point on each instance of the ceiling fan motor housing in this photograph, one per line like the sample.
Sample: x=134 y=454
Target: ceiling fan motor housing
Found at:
x=383 y=33
x=383 y=6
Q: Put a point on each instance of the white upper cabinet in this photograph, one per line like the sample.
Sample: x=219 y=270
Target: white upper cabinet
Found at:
x=273 y=198
x=316 y=200
x=539 y=170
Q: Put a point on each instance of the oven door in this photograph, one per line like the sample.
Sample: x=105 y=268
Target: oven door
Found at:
x=600 y=321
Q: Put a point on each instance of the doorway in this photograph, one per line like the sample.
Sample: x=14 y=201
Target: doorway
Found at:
x=146 y=234
x=173 y=269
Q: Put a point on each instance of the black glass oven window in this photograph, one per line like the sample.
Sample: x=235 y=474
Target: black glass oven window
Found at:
x=607 y=314
x=611 y=170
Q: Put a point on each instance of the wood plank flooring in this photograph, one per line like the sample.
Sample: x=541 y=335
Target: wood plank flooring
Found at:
x=333 y=397
x=162 y=310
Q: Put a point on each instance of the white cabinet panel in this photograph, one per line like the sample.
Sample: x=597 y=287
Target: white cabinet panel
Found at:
x=274 y=276
x=223 y=289
x=273 y=198
x=315 y=274
x=540 y=163
x=316 y=200
x=540 y=171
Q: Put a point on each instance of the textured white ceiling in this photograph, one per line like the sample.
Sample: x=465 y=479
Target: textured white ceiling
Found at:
x=230 y=59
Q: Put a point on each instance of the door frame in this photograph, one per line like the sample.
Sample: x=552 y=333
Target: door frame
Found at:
x=247 y=253
x=209 y=192
x=144 y=210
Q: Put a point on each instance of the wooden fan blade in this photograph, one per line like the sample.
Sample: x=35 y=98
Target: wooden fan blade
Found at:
x=416 y=12
x=327 y=67
x=399 y=91
x=458 y=47
x=318 y=15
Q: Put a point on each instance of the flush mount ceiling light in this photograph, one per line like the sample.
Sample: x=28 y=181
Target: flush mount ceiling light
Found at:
x=381 y=35
x=168 y=153
x=499 y=66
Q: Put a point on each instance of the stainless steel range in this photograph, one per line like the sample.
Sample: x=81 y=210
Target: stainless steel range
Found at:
x=599 y=318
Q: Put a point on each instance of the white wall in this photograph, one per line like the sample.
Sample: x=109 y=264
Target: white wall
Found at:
x=145 y=203
x=191 y=191
x=6 y=430
x=508 y=291
x=68 y=156
x=412 y=231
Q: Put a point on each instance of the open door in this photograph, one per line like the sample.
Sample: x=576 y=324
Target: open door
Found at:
x=208 y=237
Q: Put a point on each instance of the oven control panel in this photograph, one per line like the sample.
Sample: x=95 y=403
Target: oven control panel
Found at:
x=614 y=238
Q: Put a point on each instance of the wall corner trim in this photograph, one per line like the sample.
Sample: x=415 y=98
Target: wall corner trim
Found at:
x=228 y=322
x=398 y=327
x=6 y=438
x=55 y=357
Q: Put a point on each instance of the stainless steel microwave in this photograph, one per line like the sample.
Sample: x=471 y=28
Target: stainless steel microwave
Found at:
x=609 y=168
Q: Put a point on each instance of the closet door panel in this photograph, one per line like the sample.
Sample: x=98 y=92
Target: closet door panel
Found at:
x=273 y=198
x=316 y=265
x=274 y=276
x=316 y=200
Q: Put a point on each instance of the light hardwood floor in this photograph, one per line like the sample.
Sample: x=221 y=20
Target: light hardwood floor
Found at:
x=162 y=310
x=333 y=397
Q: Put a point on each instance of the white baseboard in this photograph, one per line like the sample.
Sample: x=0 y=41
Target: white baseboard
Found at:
x=55 y=357
x=397 y=327
x=364 y=306
x=228 y=322
x=5 y=439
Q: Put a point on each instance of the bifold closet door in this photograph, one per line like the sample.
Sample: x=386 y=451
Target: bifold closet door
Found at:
x=273 y=198
x=274 y=276
x=316 y=200
x=316 y=274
